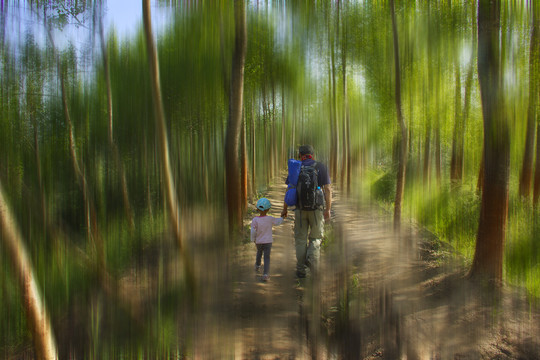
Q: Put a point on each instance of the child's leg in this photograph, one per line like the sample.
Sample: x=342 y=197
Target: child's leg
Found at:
x=259 y=254
x=267 y=249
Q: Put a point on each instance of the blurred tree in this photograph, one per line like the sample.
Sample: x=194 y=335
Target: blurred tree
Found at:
x=333 y=39
x=112 y=144
x=532 y=111
x=92 y=228
x=232 y=167
x=163 y=145
x=36 y=312
x=534 y=77
x=458 y=140
x=488 y=256
x=456 y=162
x=402 y=137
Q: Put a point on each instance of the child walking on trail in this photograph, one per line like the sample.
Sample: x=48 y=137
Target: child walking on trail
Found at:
x=261 y=235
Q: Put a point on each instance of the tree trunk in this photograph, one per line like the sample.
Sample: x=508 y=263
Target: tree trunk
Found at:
x=253 y=152
x=488 y=256
x=438 y=150
x=402 y=142
x=232 y=168
x=427 y=152
x=274 y=146
x=44 y=214
x=333 y=108
x=244 y=167
x=36 y=313
x=345 y=159
x=163 y=144
x=116 y=154
x=536 y=62
x=536 y=194
x=93 y=233
x=456 y=162
x=534 y=90
x=283 y=156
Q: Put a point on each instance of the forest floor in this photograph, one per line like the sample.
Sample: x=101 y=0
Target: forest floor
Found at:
x=378 y=296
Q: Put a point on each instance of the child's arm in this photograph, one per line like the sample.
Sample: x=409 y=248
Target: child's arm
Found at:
x=278 y=221
x=253 y=230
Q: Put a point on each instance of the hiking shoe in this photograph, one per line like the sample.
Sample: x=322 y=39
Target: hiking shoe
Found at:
x=258 y=268
x=265 y=277
x=300 y=275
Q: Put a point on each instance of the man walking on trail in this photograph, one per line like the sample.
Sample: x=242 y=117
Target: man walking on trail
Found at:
x=309 y=220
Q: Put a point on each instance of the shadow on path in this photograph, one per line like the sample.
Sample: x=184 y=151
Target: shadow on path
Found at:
x=379 y=296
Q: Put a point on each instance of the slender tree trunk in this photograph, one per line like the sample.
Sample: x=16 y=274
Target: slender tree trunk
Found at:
x=333 y=107
x=90 y=212
x=534 y=90
x=44 y=215
x=33 y=304
x=536 y=193
x=427 y=151
x=402 y=146
x=345 y=162
x=465 y=116
x=283 y=156
x=163 y=145
x=274 y=132
x=456 y=164
x=244 y=173
x=438 y=150
x=161 y=128
x=112 y=144
x=232 y=168
x=536 y=62
x=295 y=115
x=488 y=256
x=265 y=134
x=253 y=151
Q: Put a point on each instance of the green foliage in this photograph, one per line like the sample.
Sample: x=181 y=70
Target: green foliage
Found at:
x=384 y=188
x=522 y=261
x=452 y=214
x=288 y=85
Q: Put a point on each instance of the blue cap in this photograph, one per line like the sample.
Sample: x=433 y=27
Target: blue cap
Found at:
x=263 y=204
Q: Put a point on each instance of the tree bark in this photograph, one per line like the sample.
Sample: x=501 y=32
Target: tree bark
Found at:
x=36 y=312
x=232 y=168
x=163 y=144
x=536 y=61
x=93 y=232
x=402 y=142
x=488 y=256
x=427 y=152
x=534 y=90
x=456 y=162
x=283 y=155
x=244 y=167
x=536 y=193
x=345 y=158
x=333 y=107
x=253 y=152
x=116 y=154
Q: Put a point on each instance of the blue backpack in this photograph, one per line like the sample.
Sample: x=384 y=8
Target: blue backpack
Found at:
x=294 y=171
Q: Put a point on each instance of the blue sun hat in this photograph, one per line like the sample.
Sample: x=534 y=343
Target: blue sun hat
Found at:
x=263 y=204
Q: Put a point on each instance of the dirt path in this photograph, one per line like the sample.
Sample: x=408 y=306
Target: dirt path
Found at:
x=379 y=296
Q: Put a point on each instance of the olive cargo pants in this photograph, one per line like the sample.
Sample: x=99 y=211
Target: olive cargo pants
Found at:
x=308 y=233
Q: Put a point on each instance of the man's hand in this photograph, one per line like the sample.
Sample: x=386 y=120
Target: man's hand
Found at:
x=284 y=213
x=326 y=214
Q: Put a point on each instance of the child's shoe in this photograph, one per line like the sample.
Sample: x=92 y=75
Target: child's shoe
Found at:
x=258 y=268
x=265 y=277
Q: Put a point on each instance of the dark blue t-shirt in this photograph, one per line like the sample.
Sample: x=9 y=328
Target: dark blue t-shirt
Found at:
x=323 y=178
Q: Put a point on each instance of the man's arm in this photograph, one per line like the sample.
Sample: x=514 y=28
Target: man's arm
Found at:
x=284 y=211
x=327 y=189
